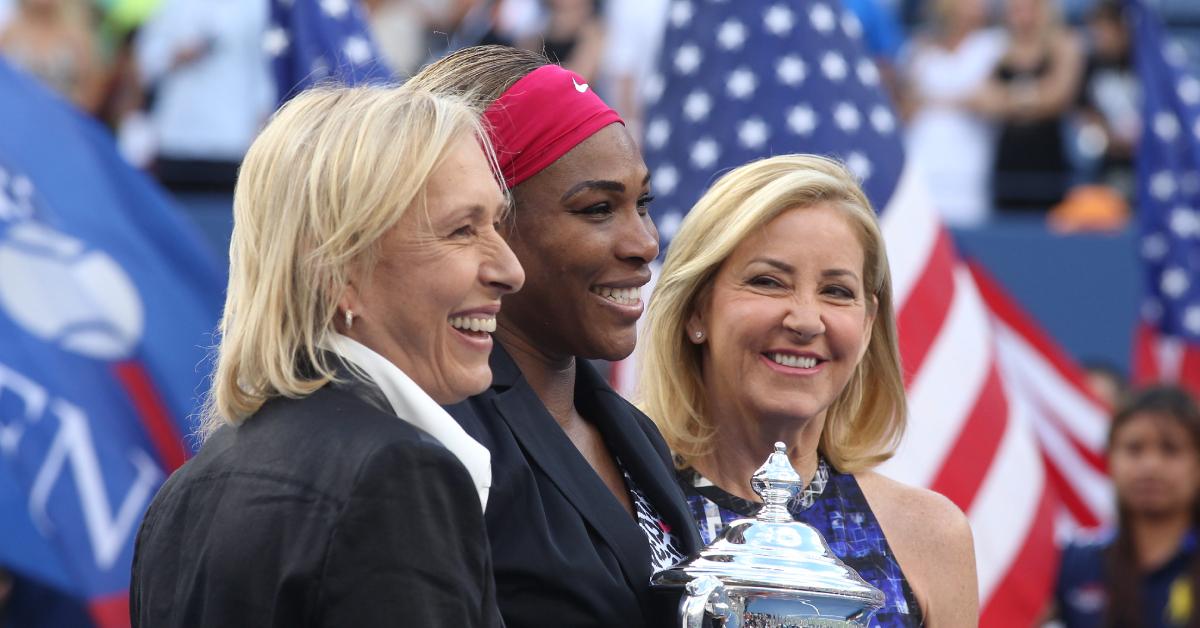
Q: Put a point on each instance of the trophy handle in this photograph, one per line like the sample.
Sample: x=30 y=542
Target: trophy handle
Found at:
x=707 y=594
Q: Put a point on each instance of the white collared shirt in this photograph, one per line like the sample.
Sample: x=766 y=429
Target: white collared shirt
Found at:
x=415 y=406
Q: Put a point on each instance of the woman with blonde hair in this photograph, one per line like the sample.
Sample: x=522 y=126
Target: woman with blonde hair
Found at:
x=366 y=273
x=772 y=321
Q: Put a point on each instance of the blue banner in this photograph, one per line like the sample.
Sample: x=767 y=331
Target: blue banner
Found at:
x=108 y=304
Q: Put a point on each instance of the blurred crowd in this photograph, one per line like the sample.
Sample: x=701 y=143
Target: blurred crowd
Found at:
x=1024 y=107
x=1030 y=115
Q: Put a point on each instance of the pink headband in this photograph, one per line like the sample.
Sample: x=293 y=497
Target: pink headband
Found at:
x=540 y=118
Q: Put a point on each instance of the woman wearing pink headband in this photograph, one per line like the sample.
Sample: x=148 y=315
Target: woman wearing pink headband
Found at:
x=584 y=506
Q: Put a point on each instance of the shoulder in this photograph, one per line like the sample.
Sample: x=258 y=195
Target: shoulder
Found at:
x=644 y=423
x=933 y=543
x=416 y=471
x=913 y=510
x=1083 y=556
x=318 y=444
x=332 y=412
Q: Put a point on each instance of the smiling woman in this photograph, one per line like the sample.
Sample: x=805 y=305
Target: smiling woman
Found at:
x=365 y=274
x=585 y=506
x=772 y=322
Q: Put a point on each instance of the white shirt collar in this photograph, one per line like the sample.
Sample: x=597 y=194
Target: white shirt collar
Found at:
x=415 y=406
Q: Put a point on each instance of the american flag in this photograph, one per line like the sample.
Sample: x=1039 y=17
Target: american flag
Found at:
x=999 y=420
x=1168 y=195
x=312 y=42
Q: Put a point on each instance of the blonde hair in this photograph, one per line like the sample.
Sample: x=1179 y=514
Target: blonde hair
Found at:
x=333 y=170
x=865 y=422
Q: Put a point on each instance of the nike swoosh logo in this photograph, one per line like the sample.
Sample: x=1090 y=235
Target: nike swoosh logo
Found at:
x=579 y=88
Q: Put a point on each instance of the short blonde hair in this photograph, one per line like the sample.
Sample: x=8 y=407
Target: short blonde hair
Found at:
x=333 y=170
x=864 y=424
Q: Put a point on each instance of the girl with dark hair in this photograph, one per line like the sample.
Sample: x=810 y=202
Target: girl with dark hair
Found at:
x=1145 y=572
x=584 y=505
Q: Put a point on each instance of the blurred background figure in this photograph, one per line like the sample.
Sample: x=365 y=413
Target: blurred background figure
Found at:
x=1107 y=382
x=951 y=143
x=203 y=63
x=54 y=40
x=412 y=32
x=1144 y=573
x=572 y=36
x=883 y=35
x=6 y=10
x=1109 y=101
x=633 y=36
x=1029 y=95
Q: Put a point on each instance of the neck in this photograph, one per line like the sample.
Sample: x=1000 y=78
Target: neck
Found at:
x=551 y=377
x=746 y=443
x=1157 y=538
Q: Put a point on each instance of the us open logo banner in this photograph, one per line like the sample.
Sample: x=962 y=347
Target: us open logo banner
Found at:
x=107 y=306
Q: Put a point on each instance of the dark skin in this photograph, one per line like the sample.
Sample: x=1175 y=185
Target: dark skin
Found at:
x=580 y=225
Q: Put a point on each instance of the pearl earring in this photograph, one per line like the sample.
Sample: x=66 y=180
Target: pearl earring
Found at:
x=699 y=335
x=349 y=319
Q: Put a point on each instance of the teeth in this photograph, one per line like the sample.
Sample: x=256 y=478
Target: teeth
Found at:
x=624 y=296
x=794 y=361
x=472 y=323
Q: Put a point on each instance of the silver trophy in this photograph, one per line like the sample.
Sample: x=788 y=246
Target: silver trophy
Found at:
x=770 y=571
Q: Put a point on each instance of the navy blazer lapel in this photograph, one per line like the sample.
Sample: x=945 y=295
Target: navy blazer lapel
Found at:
x=626 y=437
x=552 y=451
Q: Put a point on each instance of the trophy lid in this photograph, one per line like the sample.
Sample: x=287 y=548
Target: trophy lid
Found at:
x=773 y=553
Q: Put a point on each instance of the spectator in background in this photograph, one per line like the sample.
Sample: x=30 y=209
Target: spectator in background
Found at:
x=211 y=85
x=498 y=22
x=951 y=143
x=1146 y=572
x=409 y=32
x=573 y=36
x=7 y=7
x=1109 y=101
x=1033 y=87
x=881 y=32
x=1106 y=382
x=634 y=31
x=882 y=35
x=52 y=39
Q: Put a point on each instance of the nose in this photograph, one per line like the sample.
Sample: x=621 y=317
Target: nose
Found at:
x=637 y=240
x=501 y=270
x=804 y=319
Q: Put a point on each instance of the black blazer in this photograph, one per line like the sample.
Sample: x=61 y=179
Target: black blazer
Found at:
x=321 y=511
x=564 y=550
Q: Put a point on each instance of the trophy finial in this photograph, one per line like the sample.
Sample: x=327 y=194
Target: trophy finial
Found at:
x=776 y=482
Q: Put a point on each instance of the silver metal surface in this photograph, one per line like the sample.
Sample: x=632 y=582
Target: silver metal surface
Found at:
x=770 y=571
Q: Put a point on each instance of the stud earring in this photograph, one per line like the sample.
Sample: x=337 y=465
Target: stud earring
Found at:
x=349 y=319
x=699 y=335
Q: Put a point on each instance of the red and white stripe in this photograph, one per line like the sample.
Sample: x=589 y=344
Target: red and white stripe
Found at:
x=1160 y=358
x=999 y=419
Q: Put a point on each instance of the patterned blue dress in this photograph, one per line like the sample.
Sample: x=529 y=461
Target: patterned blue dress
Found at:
x=834 y=505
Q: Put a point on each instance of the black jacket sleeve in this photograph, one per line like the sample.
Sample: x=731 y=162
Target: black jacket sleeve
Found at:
x=409 y=547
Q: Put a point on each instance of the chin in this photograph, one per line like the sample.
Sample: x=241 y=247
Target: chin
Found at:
x=615 y=353
x=470 y=385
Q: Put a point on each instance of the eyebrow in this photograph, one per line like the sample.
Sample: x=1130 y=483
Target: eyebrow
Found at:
x=472 y=212
x=598 y=184
x=788 y=268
